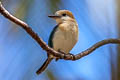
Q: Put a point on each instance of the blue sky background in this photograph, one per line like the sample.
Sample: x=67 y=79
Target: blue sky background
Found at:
x=21 y=56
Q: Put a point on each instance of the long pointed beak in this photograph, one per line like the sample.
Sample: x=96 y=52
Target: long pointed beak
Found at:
x=54 y=16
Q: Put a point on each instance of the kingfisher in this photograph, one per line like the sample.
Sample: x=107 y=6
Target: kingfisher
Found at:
x=63 y=37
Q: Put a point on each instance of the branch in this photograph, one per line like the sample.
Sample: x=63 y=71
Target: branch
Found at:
x=45 y=47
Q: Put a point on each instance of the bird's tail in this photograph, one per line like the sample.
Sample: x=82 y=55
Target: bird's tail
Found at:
x=44 y=66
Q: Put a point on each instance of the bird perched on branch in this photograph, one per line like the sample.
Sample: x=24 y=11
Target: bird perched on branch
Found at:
x=63 y=37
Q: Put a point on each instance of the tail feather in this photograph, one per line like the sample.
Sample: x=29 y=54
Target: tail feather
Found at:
x=44 y=66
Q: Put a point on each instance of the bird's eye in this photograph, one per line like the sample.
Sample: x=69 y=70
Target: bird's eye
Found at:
x=63 y=14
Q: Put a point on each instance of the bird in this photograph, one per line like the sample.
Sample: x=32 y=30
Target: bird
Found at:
x=63 y=37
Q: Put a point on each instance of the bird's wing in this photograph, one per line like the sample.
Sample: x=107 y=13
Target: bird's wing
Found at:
x=50 y=43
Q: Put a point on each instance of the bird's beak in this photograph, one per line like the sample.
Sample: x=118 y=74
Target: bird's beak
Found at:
x=54 y=16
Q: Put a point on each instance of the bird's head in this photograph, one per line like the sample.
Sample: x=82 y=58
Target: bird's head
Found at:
x=62 y=15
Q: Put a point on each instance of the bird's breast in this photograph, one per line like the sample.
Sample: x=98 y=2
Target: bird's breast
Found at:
x=65 y=37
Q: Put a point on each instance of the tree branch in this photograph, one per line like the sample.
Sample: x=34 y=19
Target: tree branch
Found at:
x=45 y=47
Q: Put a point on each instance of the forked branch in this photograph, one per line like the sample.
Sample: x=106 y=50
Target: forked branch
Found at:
x=45 y=47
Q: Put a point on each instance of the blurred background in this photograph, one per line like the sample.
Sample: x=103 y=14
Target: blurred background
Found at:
x=21 y=56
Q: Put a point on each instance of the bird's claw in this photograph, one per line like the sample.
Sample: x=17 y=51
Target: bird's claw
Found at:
x=61 y=51
x=73 y=57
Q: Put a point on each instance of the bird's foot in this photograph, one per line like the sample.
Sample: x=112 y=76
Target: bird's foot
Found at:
x=73 y=57
x=61 y=51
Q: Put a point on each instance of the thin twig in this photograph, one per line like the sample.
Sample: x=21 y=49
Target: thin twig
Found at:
x=45 y=47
